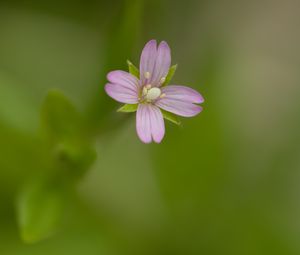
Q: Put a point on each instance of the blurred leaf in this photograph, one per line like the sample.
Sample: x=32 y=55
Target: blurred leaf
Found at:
x=73 y=149
x=63 y=124
x=170 y=117
x=128 y=108
x=60 y=119
x=39 y=210
x=40 y=205
x=72 y=160
x=133 y=69
x=170 y=75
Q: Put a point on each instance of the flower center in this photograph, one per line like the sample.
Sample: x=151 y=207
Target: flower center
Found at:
x=150 y=94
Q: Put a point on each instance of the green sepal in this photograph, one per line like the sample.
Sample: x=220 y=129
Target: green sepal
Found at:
x=170 y=75
x=170 y=117
x=133 y=69
x=128 y=108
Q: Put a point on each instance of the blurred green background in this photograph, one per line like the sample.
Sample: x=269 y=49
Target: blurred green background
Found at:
x=75 y=179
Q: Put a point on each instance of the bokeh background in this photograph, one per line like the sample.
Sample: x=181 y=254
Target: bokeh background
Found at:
x=225 y=182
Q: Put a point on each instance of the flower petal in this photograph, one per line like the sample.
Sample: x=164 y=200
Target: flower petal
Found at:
x=162 y=63
x=182 y=93
x=157 y=123
x=149 y=123
x=181 y=108
x=147 y=60
x=123 y=78
x=143 y=126
x=121 y=93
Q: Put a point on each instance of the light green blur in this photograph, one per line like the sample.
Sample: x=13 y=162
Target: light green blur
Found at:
x=75 y=179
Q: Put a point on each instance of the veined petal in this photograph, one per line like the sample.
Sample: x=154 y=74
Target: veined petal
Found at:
x=147 y=60
x=181 y=108
x=120 y=93
x=143 y=126
x=162 y=64
x=157 y=123
x=123 y=78
x=149 y=123
x=182 y=93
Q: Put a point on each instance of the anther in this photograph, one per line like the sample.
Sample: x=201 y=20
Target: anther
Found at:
x=148 y=86
x=162 y=95
x=145 y=90
x=162 y=80
x=147 y=75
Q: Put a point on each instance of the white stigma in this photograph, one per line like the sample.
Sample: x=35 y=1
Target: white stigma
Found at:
x=153 y=94
x=147 y=75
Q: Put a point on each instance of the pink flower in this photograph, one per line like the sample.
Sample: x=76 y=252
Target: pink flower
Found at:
x=150 y=95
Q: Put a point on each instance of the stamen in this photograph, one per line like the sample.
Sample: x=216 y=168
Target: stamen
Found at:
x=162 y=80
x=162 y=95
x=148 y=86
x=145 y=91
x=147 y=75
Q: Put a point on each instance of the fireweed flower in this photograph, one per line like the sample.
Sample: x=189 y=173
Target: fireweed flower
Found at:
x=144 y=90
